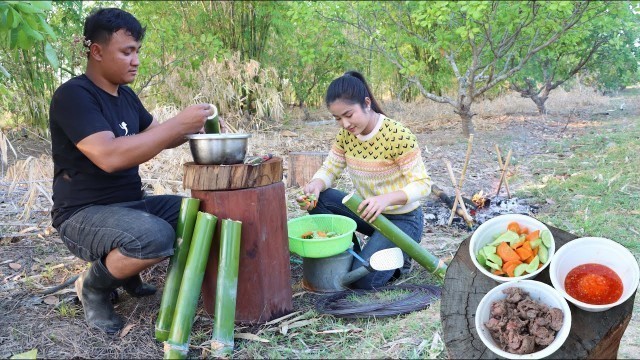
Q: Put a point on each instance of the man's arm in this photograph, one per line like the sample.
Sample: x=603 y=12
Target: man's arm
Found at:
x=113 y=154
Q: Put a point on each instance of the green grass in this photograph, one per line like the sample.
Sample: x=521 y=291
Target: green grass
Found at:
x=595 y=189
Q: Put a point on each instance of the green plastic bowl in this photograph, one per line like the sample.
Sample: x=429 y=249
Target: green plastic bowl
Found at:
x=320 y=248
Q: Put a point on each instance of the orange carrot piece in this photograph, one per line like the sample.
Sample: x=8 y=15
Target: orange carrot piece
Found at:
x=497 y=272
x=518 y=244
x=523 y=230
x=506 y=253
x=510 y=266
x=514 y=226
x=530 y=259
x=524 y=252
x=533 y=235
x=535 y=251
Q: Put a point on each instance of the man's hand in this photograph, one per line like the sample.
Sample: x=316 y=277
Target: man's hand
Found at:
x=193 y=117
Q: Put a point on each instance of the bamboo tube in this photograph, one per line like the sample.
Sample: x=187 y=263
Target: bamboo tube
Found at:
x=464 y=172
x=177 y=346
x=407 y=244
x=226 y=289
x=184 y=232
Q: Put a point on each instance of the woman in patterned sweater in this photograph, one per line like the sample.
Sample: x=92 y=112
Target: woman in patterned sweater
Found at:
x=383 y=159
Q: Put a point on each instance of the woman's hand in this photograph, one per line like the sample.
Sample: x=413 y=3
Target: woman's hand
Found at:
x=312 y=189
x=370 y=208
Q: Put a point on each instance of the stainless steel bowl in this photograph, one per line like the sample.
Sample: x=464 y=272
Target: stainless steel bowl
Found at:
x=218 y=149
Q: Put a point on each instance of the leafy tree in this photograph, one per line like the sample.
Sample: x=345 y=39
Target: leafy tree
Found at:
x=580 y=49
x=27 y=59
x=483 y=43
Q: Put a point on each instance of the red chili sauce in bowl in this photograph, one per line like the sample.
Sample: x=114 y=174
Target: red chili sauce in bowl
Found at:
x=593 y=284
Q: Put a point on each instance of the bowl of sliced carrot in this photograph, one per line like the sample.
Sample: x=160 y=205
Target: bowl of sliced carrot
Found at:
x=511 y=247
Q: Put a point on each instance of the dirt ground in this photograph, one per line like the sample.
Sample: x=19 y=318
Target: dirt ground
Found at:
x=33 y=258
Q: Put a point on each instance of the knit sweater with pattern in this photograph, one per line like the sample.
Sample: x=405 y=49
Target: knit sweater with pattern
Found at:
x=386 y=160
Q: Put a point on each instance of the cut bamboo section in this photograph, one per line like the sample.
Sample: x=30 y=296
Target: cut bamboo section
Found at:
x=226 y=289
x=184 y=232
x=177 y=346
x=403 y=241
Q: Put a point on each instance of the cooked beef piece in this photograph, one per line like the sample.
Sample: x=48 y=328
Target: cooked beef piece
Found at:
x=557 y=318
x=520 y=325
x=514 y=295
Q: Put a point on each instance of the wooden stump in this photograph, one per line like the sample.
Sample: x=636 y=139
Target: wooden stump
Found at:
x=264 y=275
x=302 y=167
x=594 y=335
x=230 y=177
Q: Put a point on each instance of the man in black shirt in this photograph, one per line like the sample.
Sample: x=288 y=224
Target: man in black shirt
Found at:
x=100 y=134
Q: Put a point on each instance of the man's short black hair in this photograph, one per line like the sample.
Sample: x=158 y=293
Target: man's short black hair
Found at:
x=102 y=23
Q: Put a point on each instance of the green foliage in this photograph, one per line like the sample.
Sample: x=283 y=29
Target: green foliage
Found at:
x=602 y=45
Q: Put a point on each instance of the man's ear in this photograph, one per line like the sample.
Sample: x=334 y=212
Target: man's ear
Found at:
x=95 y=51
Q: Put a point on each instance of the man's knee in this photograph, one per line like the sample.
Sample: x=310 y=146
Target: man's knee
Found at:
x=157 y=242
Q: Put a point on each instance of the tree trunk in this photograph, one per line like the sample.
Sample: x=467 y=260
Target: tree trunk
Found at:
x=464 y=110
x=539 y=101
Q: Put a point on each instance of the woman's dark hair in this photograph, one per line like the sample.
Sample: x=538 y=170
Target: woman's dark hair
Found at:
x=352 y=88
x=102 y=23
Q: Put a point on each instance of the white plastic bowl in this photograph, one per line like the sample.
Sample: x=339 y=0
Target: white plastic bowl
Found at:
x=539 y=292
x=600 y=251
x=486 y=231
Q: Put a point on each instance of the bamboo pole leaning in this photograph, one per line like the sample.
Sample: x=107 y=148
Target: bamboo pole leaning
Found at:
x=462 y=175
x=403 y=241
x=226 y=289
x=177 y=346
x=465 y=214
x=184 y=232
x=504 y=172
x=503 y=169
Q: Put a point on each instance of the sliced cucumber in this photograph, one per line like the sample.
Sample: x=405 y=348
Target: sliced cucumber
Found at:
x=489 y=249
x=507 y=237
x=534 y=243
x=494 y=258
x=543 y=253
x=546 y=237
x=482 y=259
x=493 y=265
x=533 y=265
x=520 y=269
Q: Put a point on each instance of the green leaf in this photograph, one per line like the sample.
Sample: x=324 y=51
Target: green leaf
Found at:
x=31 y=354
x=47 y=28
x=31 y=33
x=41 y=5
x=27 y=8
x=13 y=18
x=12 y=39
x=51 y=55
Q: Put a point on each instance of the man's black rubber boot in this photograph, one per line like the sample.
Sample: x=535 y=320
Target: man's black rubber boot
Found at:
x=94 y=287
x=135 y=287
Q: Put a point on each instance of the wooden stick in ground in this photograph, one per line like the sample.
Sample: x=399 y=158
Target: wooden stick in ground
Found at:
x=506 y=182
x=464 y=171
x=466 y=216
x=504 y=171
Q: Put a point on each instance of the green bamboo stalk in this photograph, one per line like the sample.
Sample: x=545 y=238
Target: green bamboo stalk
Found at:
x=226 y=289
x=177 y=346
x=407 y=244
x=184 y=232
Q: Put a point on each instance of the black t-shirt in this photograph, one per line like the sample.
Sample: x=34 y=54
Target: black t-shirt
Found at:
x=78 y=109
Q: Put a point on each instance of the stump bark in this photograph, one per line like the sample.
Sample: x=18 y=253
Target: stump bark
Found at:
x=302 y=167
x=594 y=335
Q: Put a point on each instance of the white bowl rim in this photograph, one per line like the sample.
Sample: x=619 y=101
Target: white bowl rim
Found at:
x=515 y=217
x=538 y=354
x=578 y=241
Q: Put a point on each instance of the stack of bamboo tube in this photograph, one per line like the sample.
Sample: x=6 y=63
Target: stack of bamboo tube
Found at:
x=194 y=235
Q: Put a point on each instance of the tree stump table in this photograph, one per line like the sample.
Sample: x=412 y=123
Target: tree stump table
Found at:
x=594 y=335
x=254 y=195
